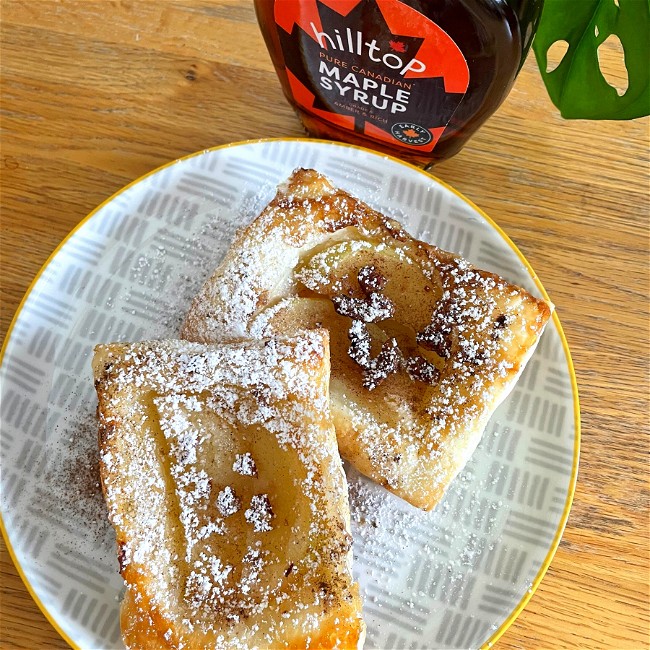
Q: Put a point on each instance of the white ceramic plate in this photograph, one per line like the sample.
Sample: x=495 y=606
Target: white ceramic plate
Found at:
x=454 y=578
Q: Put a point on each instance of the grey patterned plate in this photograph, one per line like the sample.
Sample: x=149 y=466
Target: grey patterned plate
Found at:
x=454 y=578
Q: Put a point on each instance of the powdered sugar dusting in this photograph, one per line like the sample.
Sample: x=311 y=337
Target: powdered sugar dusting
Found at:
x=260 y=513
x=244 y=465
x=228 y=503
x=416 y=561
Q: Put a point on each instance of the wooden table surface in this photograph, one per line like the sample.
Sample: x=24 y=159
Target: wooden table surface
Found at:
x=96 y=93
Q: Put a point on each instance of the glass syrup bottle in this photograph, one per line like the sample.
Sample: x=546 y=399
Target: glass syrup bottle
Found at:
x=412 y=78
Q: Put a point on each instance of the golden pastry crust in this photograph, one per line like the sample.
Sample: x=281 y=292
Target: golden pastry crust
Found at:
x=456 y=337
x=224 y=484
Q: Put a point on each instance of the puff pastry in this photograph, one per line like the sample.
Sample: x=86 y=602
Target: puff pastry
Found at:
x=224 y=484
x=424 y=346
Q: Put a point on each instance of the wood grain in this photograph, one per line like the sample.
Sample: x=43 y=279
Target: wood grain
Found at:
x=97 y=93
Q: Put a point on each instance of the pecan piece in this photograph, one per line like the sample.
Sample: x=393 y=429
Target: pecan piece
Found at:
x=260 y=513
x=245 y=465
x=375 y=308
x=385 y=363
x=436 y=339
x=359 y=349
x=500 y=323
x=228 y=503
x=370 y=279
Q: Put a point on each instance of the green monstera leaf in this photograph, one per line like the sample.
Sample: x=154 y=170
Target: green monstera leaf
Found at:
x=577 y=86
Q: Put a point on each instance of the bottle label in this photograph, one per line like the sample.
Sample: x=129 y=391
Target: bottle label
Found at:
x=377 y=67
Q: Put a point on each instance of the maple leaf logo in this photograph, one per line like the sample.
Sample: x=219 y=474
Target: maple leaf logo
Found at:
x=397 y=46
x=411 y=133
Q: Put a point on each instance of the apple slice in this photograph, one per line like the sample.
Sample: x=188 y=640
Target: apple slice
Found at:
x=334 y=272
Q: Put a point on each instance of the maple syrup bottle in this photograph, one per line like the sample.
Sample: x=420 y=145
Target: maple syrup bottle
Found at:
x=412 y=78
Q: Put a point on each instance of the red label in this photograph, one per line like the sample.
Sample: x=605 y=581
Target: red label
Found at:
x=378 y=67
